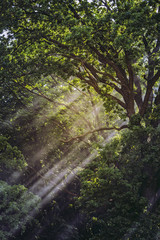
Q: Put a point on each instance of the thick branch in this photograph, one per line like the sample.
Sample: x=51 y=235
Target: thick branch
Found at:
x=148 y=92
x=146 y=45
x=130 y=70
x=138 y=92
x=154 y=79
x=94 y=72
x=105 y=60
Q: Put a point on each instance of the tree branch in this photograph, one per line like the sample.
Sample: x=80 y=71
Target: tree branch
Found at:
x=138 y=92
x=151 y=83
x=94 y=84
x=93 y=131
x=105 y=60
x=59 y=44
x=146 y=45
x=130 y=70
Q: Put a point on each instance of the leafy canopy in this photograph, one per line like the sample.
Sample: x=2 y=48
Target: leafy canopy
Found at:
x=110 y=46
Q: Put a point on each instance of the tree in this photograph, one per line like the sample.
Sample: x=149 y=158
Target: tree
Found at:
x=120 y=190
x=109 y=46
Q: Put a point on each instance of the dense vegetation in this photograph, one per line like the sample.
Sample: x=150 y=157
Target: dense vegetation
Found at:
x=120 y=189
x=72 y=74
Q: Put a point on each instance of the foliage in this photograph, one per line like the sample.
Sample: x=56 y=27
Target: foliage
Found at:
x=119 y=189
x=16 y=207
x=108 y=46
x=101 y=49
x=10 y=157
